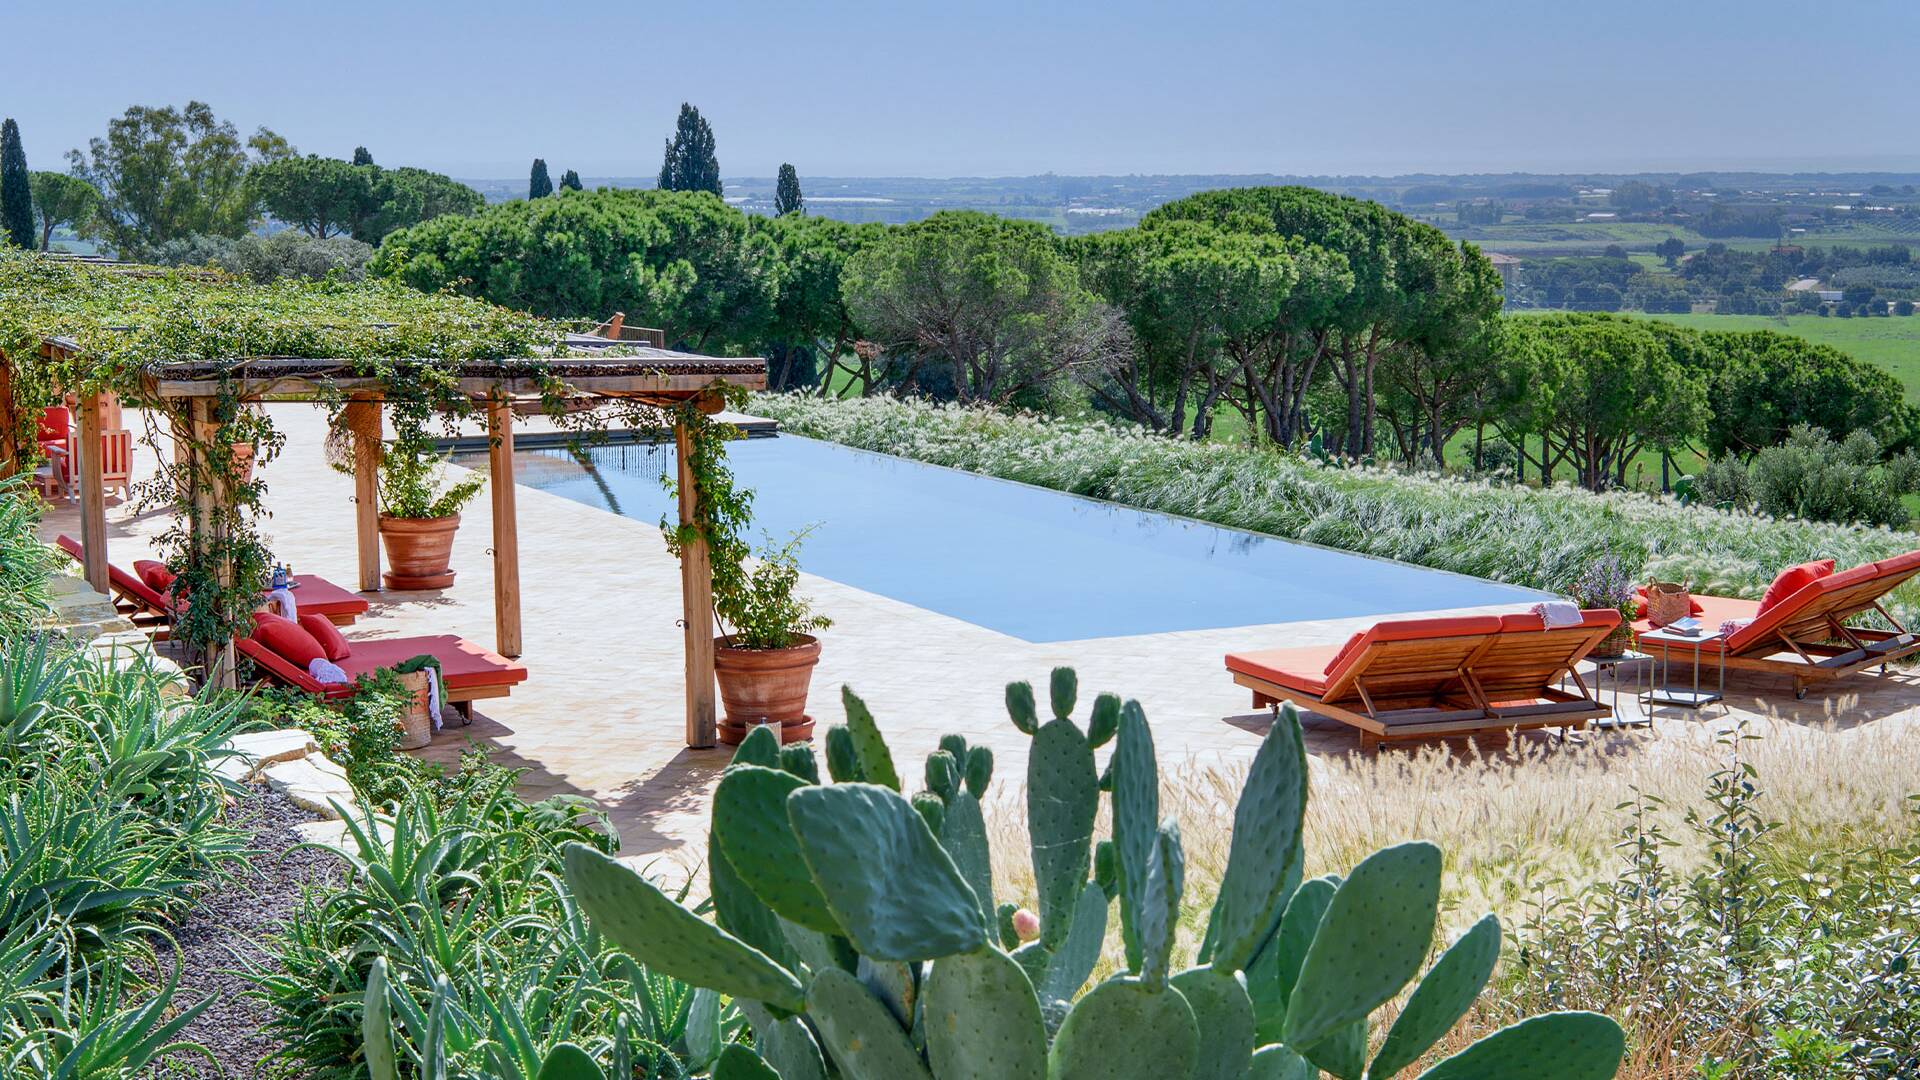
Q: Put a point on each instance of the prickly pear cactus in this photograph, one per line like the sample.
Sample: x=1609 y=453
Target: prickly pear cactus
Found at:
x=858 y=926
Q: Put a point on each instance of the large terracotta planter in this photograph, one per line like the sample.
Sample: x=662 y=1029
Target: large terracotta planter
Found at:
x=418 y=550
x=765 y=686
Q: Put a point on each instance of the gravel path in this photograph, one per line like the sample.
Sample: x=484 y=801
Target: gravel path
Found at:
x=232 y=926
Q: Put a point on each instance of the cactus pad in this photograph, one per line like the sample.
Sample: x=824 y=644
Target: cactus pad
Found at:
x=671 y=940
x=798 y=759
x=1020 y=707
x=843 y=762
x=1073 y=962
x=1160 y=903
x=1104 y=721
x=1342 y=1054
x=1270 y=980
x=750 y=820
x=860 y=1033
x=932 y=810
x=963 y=832
x=1063 y=797
x=741 y=913
x=977 y=770
x=943 y=774
x=894 y=891
x=1263 y=862
x=739 y=1063
x=760 y=747
x=1554 y=1046
x=983 y=1020
x=1280 y=1063
x=1063 y=691
x=876 y=761
x=1225 y=1019
x=1371 y=941
x=1123 y=1029
x=1136 y=819
x=1442 y=998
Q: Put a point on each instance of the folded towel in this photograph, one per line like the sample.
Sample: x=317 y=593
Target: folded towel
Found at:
x=1556 y=613
x=289 y=610
x=433 y=695
x=326 y=671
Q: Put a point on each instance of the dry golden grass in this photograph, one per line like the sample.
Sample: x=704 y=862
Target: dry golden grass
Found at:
x=1520 y=822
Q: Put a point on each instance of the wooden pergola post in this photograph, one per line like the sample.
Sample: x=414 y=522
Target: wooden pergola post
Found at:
x=87 y=448
x=506 y=532
x=696 y=604
x=363 y=421
x=210 y=497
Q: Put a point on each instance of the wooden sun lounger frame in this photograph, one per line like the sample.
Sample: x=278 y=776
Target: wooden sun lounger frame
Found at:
x=1824 y=646
x=1425 y=688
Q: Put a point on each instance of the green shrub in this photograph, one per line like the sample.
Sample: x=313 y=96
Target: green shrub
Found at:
x=24 y=561
x=1767 y=961
x=486 y=961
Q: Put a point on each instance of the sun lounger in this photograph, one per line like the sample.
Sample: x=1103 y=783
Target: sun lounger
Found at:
x=1811 y=634
x=150 y=607
x=1426 y=678
x=468 y=672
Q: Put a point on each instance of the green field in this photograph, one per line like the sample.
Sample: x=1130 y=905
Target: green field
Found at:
x=1892 y=343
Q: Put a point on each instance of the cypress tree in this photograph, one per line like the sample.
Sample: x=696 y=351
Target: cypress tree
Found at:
x=539 y=185
x=571 y=180
x=16 y=189
x=362 y=156
x=786 y=194
x=690 y=163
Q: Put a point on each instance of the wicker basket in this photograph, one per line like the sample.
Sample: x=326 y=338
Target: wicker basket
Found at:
x=1615 y=644
x=1667 y=602
x=416 y=724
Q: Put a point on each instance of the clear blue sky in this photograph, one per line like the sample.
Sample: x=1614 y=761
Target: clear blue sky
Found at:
x=478 y=88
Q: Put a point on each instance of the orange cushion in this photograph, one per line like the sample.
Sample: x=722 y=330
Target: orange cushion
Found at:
x=1793 y=579
x=155 y=574
x=1412 y=630
x=1899 y=564
x=327 y=635
x=286 y=639
x=1301 y=668
x=1346 y=650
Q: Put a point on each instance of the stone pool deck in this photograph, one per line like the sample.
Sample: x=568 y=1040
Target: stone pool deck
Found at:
x=601 y=714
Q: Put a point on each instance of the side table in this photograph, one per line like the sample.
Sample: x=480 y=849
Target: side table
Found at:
x=1662 y=692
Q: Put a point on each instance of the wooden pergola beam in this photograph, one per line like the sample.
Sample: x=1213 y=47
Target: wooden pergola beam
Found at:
x=300 y=388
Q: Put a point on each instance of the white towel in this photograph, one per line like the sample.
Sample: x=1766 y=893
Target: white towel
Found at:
x=326 y=671
x=433 y=696
x=289 y=610
x=1555 y=613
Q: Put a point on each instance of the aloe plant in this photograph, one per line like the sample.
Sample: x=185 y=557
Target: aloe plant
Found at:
x=858 y=927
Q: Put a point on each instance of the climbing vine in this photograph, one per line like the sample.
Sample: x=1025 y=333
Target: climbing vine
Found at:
x=120 y=329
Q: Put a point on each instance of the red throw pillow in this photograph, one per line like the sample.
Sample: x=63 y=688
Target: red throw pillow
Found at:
x=1793 y=579
x=156 y=575
x=328 y=635
x=1345 y=651
x=286 y=639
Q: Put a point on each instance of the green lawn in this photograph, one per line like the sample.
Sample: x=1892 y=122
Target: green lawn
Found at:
x=1893 y=343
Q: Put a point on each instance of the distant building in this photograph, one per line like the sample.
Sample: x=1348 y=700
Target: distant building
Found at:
x=1505 y=266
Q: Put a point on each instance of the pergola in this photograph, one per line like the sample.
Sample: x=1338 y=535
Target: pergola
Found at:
x=643 y=374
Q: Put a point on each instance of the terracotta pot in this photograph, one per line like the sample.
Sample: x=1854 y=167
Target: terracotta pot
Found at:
x=416 y=726
x=765 y=686
x=418 y=550
x=243 y=461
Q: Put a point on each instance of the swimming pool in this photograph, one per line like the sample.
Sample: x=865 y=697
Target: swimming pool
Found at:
x=1035 y=564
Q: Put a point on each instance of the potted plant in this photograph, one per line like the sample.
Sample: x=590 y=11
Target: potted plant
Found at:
x=765 y=657
x=766 y=652
x=419 y=513
x=1606 y=584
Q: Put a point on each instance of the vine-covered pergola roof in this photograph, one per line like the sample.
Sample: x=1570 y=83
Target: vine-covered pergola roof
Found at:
x=180 y=339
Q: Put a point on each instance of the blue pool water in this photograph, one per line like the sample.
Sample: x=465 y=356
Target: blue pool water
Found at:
x=1031 y=563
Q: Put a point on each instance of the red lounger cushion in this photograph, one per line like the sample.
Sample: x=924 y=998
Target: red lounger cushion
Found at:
x=463 y=664
x=286 y=639
x=1411 y=630
x=332 y=644
x=155 y=574
x=1793 y=579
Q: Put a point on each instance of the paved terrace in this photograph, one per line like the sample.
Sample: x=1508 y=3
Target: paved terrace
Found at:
x=602 y=712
